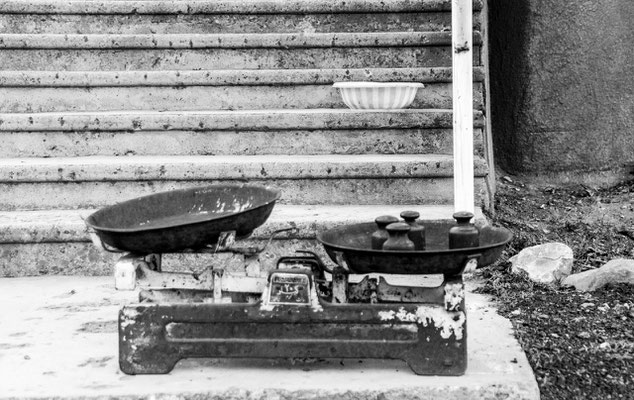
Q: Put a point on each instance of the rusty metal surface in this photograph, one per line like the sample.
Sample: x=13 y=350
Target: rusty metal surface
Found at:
x=183 y=219
x=378 y=288
x=189 y=296
x=298 y=314
x=351 y=246
x=154 y=337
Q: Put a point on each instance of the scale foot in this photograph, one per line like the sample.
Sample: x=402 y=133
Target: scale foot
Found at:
x=158 y=364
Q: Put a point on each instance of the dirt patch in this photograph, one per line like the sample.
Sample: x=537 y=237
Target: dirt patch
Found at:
x=98 y=327
x=580 y=345
x=96 y=362
x=5 y=346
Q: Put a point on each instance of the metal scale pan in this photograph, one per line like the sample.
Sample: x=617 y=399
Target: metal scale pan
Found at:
x=351 y=245
x=180 y=220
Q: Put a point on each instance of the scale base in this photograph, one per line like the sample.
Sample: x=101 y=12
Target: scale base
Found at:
x=153 y=338
x=291 y=320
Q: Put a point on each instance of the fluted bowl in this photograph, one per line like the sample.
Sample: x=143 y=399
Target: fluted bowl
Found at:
x=378 y=95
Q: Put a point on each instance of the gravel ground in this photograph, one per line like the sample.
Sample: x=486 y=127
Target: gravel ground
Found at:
x=580 y=345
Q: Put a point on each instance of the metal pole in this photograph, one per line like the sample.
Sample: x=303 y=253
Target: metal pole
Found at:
x=462 y=78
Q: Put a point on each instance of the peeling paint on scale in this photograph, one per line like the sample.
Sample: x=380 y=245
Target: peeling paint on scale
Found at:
x=128 y=317
x=454 y=296
x=448 y=322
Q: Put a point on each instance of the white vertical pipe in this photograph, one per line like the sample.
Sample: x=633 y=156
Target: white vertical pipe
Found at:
x=462 y=44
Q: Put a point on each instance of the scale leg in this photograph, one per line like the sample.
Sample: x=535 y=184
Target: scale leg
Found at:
x=447 y=362
x=162 y=364
x=125 y=272
x=441 y=348
x=143 y=348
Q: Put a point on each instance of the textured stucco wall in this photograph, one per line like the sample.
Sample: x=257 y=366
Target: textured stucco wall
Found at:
x=562 y=85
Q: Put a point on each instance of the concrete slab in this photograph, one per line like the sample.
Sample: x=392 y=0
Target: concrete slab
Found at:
x=235 y=142
x=242 y=120
x=227 y=40
x=59 y=340
x=256 y=167
x=175 y=98
x=339 y=191
x=225 y=6
x=84 y=182
x=133 y=23
x=233 y=77
x=226 y=58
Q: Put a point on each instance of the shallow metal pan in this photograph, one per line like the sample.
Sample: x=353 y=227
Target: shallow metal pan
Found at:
x=186 y=219
x=352 y=245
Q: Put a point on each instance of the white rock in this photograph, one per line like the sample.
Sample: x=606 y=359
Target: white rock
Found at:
x=620 y=270
x=546 y=263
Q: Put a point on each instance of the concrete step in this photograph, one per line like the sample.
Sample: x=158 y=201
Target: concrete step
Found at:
x=80 y=182
x=337 y=131
x=230 y=120
x=240 y=7
x=231 y=142
x=246 y=77
x=49 y=91
x=57 y=242
x=226 y=40
x=227 y=51
x=173 y=17
x=222 y=23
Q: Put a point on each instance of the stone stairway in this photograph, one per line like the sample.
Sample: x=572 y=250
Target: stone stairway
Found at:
x=102 y=101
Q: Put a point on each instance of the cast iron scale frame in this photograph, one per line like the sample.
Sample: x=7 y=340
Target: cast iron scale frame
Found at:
x=298 y=314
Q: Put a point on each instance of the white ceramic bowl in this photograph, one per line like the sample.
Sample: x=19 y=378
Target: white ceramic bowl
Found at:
x=377 y=95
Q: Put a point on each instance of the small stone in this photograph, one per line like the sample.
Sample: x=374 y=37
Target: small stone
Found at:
x=516 y=312
x=604 y=346
x=546 y=263
x=584 y=335
x=584 y=305
x=615 y=271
